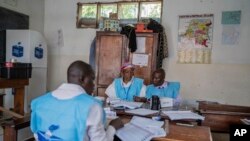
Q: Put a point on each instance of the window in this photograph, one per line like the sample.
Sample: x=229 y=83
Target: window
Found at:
x=150 y=10
x=89 y=14
x=128 y=13
x=105 y=9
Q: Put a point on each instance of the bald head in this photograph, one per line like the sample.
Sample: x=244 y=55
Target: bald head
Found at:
x=82 y=74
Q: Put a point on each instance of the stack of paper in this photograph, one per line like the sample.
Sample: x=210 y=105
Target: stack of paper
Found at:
x=141 y=111
x=246 y=121
x=110 y=114
x=113 y=100
x=178 y=115
x=141 y=129
x=129 y=105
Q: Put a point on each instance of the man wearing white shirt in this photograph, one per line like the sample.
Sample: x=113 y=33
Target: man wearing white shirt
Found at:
x=69 y=113
x=128 y=87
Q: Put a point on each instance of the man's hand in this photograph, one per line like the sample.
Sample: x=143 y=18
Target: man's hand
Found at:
x=116 y=123
x=140 y=99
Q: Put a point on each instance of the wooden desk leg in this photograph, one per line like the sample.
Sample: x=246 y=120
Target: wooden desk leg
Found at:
x=19 y=100
x=10 y=134
x=1 y=102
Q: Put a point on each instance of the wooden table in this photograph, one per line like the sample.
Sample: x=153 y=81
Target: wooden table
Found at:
x=219 y=117
x=12 y=127
x=164 y=117
x=19 y=89
x=181 y=133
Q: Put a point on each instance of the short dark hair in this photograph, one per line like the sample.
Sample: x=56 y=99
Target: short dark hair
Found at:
x=77 y=71
x=161 y=71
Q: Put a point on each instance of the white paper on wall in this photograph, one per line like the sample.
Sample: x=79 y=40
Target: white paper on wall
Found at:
x=140 y=45
x=140 y=59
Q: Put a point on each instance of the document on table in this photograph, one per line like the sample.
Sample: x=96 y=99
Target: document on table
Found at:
x=110 y=114
x=141 y=111
x=146 y=122
x=129 y=105
x=178 y=115
x=246 y=121
x=113 y=100
x=141 y=129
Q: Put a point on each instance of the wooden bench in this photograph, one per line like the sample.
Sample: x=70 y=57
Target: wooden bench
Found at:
x=219 y=117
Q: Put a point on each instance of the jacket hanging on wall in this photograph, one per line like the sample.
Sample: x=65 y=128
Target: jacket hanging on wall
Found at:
x=129 y=31
x=162 y=49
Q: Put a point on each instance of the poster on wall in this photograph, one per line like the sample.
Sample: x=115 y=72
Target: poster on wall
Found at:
x=231 y=27
x=195 y=34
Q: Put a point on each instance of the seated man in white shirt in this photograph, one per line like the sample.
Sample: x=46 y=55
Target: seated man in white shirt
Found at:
x=127 y=87
x=69 y=113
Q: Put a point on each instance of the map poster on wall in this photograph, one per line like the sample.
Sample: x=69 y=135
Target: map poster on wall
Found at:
x=195 y=39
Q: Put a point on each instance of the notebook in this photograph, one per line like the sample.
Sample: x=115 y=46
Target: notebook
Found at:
x=141 y=129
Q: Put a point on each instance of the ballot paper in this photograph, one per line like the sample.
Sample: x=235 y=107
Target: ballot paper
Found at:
x=141 y=129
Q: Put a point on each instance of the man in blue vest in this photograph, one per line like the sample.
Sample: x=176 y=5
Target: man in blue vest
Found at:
x=163 y=88
x=127 y=87
x=69 y=113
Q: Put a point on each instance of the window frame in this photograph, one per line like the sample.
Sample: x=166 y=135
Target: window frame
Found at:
x=99 y=8
x=141 y=2
x=78 y=20
x=98 y=11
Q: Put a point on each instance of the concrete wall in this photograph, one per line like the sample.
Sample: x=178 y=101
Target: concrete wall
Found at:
x=226 y=80
x=35 y=10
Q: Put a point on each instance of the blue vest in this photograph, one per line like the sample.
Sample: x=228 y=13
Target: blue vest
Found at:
x=128 y=93
x=171 y=90
x=65 y=119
